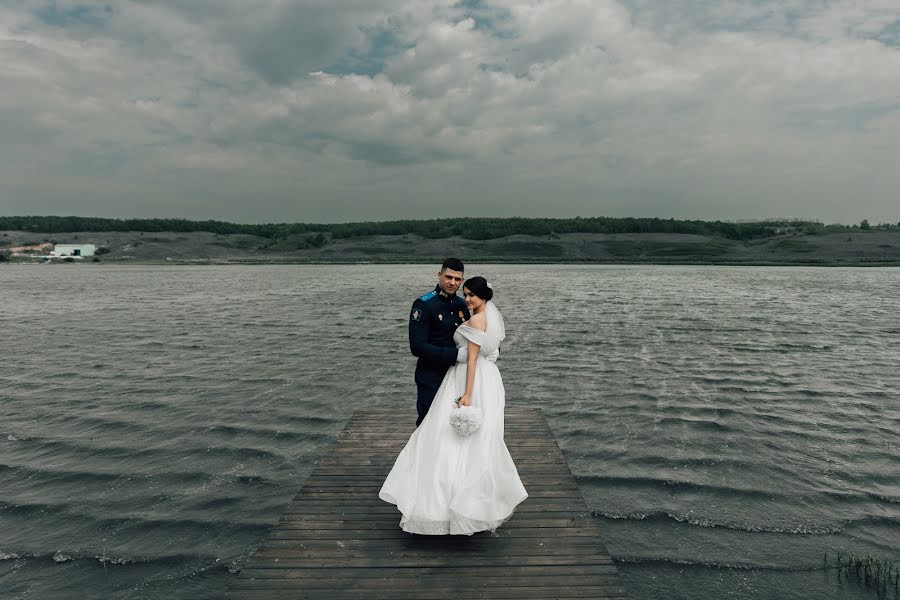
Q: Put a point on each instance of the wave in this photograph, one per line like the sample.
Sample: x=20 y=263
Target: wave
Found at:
x=705 y=522
x=314 y=419
x=801 y=347
x=131 y=521
x=54 y=448
x=62 y=556
x=715 y=564
x=846 y=498
x=268 y=433
x=672 y=484
x=884 y=498
x=782 y=348
x=877 y=520
x=177 y=479
x=656 y=458
x=695 y=423
x=152 y=406
x=34 y=508
x=800 y=529
x=59 y=476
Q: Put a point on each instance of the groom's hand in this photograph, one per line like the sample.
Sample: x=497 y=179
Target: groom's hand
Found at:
x=462 y=355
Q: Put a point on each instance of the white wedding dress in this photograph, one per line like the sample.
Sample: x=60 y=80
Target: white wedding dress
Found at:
x=444 y=483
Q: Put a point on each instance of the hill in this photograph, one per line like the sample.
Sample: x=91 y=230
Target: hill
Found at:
x=792 y=247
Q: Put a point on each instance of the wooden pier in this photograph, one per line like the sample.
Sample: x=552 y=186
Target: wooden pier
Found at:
x=337 y=539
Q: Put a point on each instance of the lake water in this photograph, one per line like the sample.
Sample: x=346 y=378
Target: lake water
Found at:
x=727 y=425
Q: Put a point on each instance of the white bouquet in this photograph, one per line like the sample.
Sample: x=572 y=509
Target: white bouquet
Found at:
x=465 y=419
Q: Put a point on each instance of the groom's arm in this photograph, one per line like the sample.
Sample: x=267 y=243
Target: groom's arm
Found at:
x=418 y=338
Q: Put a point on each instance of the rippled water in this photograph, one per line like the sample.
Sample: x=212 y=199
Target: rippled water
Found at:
x=727 y=425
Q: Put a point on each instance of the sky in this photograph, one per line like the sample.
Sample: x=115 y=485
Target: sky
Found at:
x=355 y=110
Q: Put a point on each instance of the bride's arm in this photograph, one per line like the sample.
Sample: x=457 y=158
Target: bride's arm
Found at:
x=474 y=349
x=470 y=373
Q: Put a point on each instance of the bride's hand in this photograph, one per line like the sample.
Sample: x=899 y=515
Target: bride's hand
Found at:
x=466 y=400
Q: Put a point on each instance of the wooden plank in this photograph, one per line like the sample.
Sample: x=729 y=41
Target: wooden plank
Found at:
x=446 y=570
x=360 y=520
x=338 y=507
x=344 y=531
x=426 y=592
x=462 y=560
x=374 y=483
x=394 y=547
x=337 y=539
x=530 y=545
x=366 y=490
x=376 y=580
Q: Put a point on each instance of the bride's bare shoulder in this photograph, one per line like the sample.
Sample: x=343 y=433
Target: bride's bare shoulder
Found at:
x=478 y=321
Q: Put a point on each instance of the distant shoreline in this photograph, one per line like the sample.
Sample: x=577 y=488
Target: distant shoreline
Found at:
x=284 y=262
x=876 y=248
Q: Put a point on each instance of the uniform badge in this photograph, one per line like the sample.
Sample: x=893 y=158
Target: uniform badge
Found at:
x=440 y=317
x=416 y=314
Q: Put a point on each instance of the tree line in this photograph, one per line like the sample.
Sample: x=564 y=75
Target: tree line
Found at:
x=472 y=228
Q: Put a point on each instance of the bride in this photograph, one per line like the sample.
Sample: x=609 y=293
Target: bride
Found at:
x=444 y=483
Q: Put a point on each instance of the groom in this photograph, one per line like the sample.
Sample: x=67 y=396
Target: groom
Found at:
x=432 y=323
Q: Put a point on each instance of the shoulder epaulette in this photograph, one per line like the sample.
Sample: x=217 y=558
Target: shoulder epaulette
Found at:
x=428 y=296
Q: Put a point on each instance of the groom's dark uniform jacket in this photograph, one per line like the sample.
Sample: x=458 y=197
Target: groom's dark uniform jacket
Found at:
x=432 y=323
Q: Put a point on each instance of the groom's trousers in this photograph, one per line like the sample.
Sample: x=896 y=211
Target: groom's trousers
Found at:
x=427 y=383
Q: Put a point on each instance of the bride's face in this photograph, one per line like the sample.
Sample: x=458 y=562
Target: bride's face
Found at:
x=473 y=302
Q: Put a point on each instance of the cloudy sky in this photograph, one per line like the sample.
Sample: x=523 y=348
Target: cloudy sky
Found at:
x=343 y=110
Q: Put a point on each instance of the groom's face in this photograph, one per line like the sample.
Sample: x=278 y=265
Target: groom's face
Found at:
x=450 y=280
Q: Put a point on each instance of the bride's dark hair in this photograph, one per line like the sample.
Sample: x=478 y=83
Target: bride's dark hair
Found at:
x=479 y=287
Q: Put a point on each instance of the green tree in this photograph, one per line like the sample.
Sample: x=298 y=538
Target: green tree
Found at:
x=468 y=228
x=864 y=225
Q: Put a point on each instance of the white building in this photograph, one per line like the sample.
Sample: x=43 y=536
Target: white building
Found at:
x=74 y=250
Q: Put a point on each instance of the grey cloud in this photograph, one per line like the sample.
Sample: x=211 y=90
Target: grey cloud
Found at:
x=385 y=153
x=301 y=39
x=283 y=42
x=803 y=19
x=723 y=110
